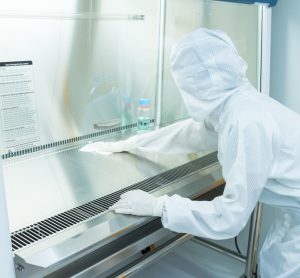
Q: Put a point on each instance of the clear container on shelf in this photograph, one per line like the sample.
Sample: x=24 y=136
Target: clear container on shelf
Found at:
x=143 y=115
x=127 y=114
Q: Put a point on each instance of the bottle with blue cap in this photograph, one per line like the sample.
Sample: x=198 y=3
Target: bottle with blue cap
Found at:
x=143 y=115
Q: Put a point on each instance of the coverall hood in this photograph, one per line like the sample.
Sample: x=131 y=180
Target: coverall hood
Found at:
x=207 y=70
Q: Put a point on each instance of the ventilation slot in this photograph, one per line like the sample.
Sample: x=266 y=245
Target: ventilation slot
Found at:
x=67 y=219
x=52 y=225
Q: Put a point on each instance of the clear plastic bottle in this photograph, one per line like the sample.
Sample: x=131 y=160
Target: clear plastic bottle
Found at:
x=143 y=115
x=127 y=114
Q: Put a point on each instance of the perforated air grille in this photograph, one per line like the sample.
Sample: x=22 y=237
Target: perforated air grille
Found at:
x=67 y=219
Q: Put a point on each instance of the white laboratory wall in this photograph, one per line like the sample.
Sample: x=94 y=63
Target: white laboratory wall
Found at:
x=285 y=54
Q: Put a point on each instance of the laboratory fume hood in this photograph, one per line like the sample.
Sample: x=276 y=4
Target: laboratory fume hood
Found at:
x=72 y=72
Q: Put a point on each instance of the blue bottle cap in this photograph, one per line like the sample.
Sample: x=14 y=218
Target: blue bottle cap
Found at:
x=144 y=101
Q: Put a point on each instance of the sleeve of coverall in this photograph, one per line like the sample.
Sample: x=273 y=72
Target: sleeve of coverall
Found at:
x=246 y=158
x=182 y=137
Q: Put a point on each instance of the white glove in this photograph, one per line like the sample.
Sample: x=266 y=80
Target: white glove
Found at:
x=138 y=202
x=111 y=147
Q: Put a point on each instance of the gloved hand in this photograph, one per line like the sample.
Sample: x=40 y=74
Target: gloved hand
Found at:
x=138 y=202
x=111 y=147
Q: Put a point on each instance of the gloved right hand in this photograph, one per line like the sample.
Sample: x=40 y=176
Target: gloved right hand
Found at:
x=139 y=202
x=111 y=147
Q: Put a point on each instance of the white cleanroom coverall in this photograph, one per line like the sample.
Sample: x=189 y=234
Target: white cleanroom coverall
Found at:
x=258 y=143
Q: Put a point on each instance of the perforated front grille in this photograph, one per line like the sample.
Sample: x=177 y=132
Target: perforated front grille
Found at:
x=52 y=225
x=67 y=219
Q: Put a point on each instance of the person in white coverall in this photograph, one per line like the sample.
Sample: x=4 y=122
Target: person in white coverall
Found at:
x=258 y=142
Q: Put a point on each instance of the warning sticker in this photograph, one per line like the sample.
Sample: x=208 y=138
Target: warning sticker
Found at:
x=19 y=119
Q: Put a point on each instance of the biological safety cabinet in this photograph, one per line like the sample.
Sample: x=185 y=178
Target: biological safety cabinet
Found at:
x=70 y=70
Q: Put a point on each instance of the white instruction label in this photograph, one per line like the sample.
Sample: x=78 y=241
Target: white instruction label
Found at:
x=19 y=120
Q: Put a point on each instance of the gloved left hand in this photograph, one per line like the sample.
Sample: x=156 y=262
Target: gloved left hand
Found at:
x=138 y=202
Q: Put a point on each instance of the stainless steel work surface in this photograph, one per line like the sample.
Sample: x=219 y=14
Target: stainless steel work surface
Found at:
x=42 y=250
x=42 y=186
